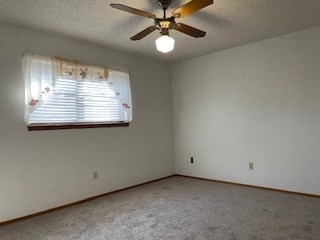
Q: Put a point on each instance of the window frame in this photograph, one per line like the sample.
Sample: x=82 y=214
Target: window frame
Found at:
x=38 y=127
x=77 y=125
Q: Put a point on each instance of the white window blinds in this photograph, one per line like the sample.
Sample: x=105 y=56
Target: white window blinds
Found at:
x=59 y=92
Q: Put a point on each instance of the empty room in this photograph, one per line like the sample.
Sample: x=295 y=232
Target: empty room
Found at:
x=160 y=119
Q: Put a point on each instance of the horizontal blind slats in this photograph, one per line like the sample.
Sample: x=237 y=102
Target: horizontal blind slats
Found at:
x=80 y=101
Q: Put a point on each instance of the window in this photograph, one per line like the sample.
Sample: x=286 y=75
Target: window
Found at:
x=66 y=94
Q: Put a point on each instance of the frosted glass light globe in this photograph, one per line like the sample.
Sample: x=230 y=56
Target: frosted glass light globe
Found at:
x=165 y=43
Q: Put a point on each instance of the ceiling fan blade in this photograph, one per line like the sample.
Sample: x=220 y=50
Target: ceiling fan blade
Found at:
x=132 y=10
x=143 y=33
x=191 y=7
x=194 y=32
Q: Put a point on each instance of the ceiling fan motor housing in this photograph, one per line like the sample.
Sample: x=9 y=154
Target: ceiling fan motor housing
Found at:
x=165 y=23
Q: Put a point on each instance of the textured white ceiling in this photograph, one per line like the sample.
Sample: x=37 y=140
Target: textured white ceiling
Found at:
x=228 y=23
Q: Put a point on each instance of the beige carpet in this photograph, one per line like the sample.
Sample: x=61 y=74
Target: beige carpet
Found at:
x=179 y=208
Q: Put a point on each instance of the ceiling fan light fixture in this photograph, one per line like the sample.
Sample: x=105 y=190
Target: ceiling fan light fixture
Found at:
x=165 y=43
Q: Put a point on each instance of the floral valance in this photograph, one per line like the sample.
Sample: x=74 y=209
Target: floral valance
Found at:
x=69 y=69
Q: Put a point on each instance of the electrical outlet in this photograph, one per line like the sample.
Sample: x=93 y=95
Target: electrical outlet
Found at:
x=251 y=165
x=95 y=175
x=191 y=160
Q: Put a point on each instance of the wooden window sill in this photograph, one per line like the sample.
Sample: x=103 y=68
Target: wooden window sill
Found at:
x=74 y=126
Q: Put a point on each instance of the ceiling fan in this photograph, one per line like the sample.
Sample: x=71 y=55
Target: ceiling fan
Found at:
x=165 y=43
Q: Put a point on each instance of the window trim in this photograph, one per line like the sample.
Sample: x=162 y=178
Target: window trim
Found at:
x=75 y=126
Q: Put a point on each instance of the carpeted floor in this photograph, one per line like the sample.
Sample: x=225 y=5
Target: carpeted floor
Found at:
x=179 y=208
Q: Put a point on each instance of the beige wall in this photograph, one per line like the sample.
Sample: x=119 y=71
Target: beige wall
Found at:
x=256 y=103
x=42 y=170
